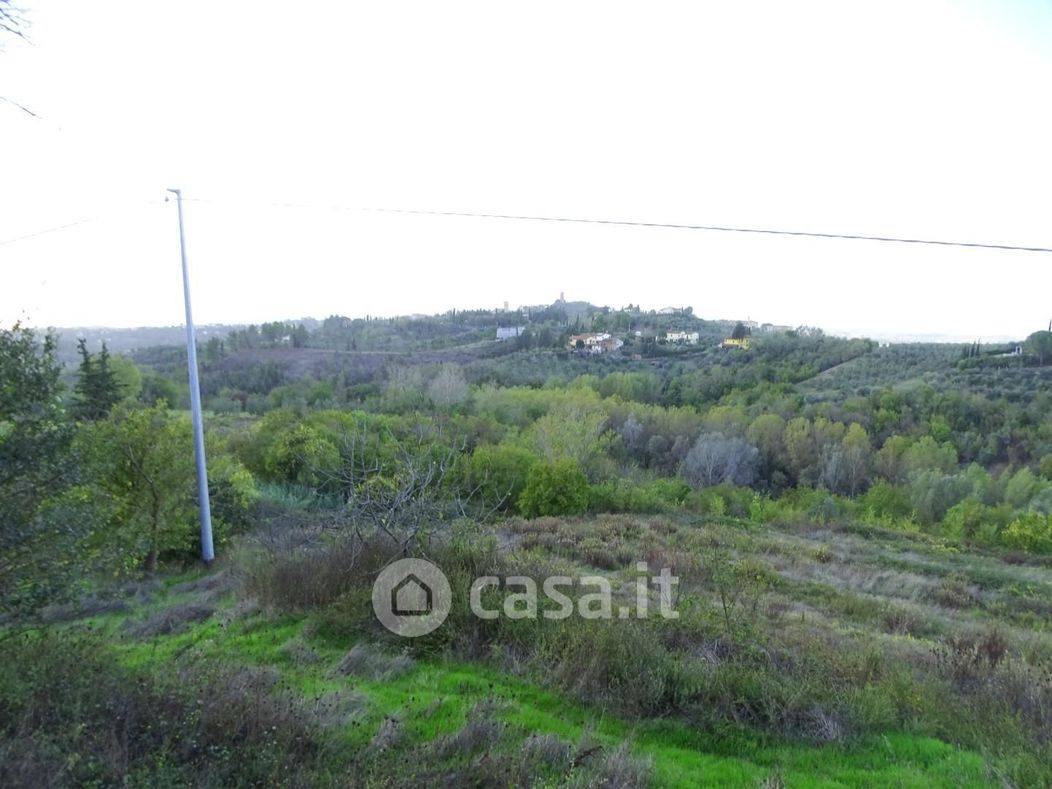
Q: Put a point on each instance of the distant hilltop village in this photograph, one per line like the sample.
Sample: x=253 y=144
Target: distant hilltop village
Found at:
x=631 y=330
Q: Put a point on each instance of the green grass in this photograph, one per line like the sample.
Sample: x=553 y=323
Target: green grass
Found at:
x=436 y=697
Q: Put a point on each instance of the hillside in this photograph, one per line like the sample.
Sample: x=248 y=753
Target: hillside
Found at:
x=625 y=549
x=840 y=661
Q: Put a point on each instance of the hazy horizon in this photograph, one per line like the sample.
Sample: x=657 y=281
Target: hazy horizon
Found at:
x=903 y=337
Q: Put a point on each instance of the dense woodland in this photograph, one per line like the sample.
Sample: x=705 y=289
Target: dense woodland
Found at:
x=344 y=435
x=954 y=440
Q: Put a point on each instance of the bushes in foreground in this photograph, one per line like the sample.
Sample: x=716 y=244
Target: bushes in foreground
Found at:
x=71 y=715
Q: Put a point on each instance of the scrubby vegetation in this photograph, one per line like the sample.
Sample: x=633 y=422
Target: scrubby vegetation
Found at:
x=862 y=538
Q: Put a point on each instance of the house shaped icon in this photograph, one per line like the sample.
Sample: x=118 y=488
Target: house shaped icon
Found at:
x=411 y=597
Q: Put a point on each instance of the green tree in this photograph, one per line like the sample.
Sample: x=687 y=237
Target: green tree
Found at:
x=927 y=453
x=558 y=488
x=767 y=434
x=158 y=387
x=885 y=501
x=890 y=460
x=128 y=377
x=497 y=474
x=1031 y=531
x=97 y=389
x=1040 y=345
x=1022 y=487
x=142 y=461
x=856 y=453
x=34 y=439
x=800 y=446
x=1046 y=467
x=933 y=493
x=304 y=455
x=964 y=519
x=573 y=431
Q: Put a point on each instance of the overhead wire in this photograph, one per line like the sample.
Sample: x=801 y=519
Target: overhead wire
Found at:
x=84 y=221
x=666 y=225
x=608 y=222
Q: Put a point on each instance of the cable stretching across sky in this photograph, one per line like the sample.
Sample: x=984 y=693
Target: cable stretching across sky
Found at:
x=713 y=228
x=615 y=222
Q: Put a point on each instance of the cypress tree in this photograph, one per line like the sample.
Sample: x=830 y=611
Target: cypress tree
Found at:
x=97 y=389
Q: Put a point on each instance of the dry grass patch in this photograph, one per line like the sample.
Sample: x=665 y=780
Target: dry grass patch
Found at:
x=175 y=619
x=367 y=661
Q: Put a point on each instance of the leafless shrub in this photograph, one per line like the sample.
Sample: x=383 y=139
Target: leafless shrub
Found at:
x=612 y=769
x=969 y=659
x=953 y=593
x=901 y=621
x=247 y=707
x=488 y=707
x=337 y=709
x=716 y=458
x=408 y=501
x=388 y=736
x=299 y=653
x=542 y=525
x=171 y=620
x=143 y=590
x=219 y=582
x=240 y=610
x=316 y=575
x=819 y=726
x=547 y=748
x=473 y=736
x=1026 y=691
x=364 y=660
x=82 y=609
x=88 y=720
x=605 y=555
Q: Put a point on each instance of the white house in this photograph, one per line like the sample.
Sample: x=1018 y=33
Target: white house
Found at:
x=595 y=343
x=690 y=338
x=509 y=332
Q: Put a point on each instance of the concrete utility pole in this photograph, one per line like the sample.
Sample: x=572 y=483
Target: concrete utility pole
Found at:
x=207 y=553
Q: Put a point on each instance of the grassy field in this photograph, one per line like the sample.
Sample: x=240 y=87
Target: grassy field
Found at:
x=804 y=656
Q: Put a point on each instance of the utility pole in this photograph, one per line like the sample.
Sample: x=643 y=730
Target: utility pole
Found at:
x=207 y=553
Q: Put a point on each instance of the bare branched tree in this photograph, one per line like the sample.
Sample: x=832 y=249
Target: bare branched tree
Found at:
x=410 y=497
x=12 y=19
x=13 y=23
x=716 y=458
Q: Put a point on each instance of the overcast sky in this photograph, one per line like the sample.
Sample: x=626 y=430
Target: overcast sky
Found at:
x=917 y=118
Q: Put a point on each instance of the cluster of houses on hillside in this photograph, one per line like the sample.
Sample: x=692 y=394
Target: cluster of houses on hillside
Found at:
x=604 y=342
x=601 y=342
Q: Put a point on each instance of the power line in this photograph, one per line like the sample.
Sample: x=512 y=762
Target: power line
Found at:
x=47 y=231
x=666 y=225
x=612 y=222
x=713 y=228
x=84 y=221
x=19 y=106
